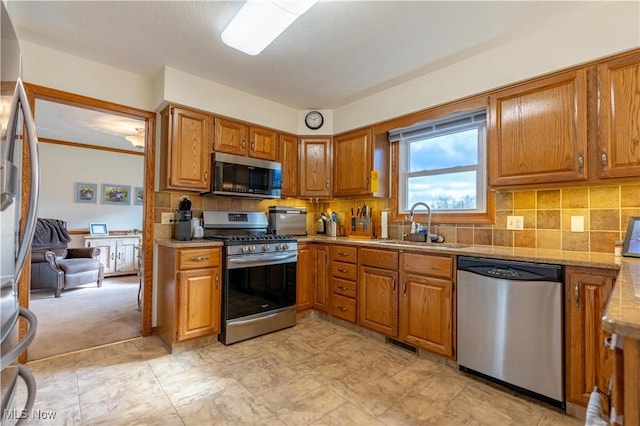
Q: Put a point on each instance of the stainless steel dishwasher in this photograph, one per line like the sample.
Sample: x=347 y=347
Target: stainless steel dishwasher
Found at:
x=510 y=325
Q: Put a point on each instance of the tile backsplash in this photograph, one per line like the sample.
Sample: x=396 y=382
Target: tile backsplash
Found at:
x=547 y=215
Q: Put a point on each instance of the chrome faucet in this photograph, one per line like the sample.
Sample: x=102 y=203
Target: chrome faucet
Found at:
x=413 y=207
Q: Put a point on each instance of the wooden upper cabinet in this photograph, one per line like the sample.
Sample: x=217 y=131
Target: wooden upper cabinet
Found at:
x=263 y=143
x=231 y=137
x=352 y=163
x=315 y=167
x=618 y=149
x=289 y=161
x=537 y=131
x=187 y=138
x=360 y=164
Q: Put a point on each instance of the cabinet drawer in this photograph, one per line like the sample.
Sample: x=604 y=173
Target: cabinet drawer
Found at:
x=343 y=287
x=198 y=258
x=343 y=270
x=344 y=254
x=383 y=259
x=425 y=264
x=343 y=307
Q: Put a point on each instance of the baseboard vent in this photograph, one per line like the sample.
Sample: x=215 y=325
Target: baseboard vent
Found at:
x=404 y=346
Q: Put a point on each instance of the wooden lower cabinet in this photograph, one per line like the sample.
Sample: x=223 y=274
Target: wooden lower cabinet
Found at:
x=587 y=359
x=342 y=283
x=189 y=292
x=305 y=276
x=321 y=288
x=426 y=302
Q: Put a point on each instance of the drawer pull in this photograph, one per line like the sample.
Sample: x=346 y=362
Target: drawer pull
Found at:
x=200 y=258
x=344 y=271
x=404 y=287
x=343 y=254
x=576 y=293
x=341 y=287
x=394 y=285
x=342 y=308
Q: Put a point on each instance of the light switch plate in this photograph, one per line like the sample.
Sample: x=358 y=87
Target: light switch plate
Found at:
x=515 y=223
x=577 y=223
x=167 y=218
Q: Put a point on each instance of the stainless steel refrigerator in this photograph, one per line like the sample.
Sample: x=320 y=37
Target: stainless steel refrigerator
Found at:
x=18 y=135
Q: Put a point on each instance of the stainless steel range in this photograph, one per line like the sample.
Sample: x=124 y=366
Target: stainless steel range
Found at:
x=259 y=274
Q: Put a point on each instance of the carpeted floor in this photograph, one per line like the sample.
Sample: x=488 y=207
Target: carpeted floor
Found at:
x=85 y=317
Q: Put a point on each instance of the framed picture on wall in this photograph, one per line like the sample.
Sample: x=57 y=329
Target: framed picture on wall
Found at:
x=631 y=245
x=86 y=193
x=138 y=195
x=116 y=194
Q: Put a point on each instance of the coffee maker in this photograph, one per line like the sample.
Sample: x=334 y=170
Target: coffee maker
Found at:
x=182 y=225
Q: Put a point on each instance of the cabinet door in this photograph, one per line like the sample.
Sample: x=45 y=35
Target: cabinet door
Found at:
x=305 y=275
x=126 y=254
x=618 y=150
x=107 y=253
x=199 y=301
x=587 y=292
x=538 y=131
x=188 y=150
x=425 y=313
x=378 y=300
x=321 y=291
x=352 y=162
x=289 y=160
x=315 y=167
x=231 y=137
x=263 y=143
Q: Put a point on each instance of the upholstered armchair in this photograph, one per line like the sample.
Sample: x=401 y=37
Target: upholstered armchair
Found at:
x=56 y=267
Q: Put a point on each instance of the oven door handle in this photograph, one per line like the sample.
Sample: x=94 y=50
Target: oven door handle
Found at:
x=262 y=259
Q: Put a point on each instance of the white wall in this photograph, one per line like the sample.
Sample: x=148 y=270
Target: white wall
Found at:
x=606 y=28
x=62 y=166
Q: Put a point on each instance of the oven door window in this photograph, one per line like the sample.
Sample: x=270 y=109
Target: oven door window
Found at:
x=260 y=289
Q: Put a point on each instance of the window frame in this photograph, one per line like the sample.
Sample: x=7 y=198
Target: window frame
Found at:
x=435 y=113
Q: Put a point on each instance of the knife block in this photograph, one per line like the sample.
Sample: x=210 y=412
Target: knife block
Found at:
x=360 y=230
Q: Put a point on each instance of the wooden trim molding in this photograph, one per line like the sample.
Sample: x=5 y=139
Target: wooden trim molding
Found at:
x=82 y=145
x=40 y=92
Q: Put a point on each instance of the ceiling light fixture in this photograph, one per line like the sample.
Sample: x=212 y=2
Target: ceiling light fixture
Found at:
x=259 y=22
x=137 y=140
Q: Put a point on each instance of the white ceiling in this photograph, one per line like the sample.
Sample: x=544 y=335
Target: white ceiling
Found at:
x=338 y=52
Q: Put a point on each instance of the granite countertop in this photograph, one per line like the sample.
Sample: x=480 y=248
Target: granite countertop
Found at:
x=622 y=314
x=187 y=244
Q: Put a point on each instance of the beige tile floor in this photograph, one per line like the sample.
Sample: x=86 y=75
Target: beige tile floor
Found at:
x=317 y=373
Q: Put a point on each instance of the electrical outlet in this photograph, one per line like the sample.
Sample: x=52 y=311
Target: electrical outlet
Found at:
x=577 y=223
x=167 y=218
x=515 y=223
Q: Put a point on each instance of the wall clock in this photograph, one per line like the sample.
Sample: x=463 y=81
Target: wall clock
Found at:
x=313 y=120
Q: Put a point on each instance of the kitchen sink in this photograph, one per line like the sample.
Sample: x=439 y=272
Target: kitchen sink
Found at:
x=421 y=244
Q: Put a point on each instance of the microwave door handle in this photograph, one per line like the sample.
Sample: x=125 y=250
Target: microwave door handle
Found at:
x=30 y=226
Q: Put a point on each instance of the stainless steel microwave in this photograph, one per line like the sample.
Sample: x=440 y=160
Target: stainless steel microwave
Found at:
x=235 y=175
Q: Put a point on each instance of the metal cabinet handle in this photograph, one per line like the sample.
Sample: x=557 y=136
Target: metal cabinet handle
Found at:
x=341 y=287
x=580 y=162
x=343 y=254
x=244 y=144
x=217 y=280
x=200 y=258
x=394 y=285
x=327 y=183
x=404 y=287
x=253 y=146
x=576 y=293
x=344 y=271
x=603 y=159
x=366 y=183
x=206 y=176
x=112 y=256
x=342 y=308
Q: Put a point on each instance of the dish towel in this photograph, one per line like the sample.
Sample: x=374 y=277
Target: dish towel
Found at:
x=594 y=410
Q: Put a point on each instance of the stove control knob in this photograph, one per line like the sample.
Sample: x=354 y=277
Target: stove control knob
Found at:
x=252 y=249
x=245 y=249
x=265 y=247
x=285 y=247
x=278 y=247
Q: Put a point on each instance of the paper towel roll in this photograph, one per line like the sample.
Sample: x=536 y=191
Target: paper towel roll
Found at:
x=384 y=233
